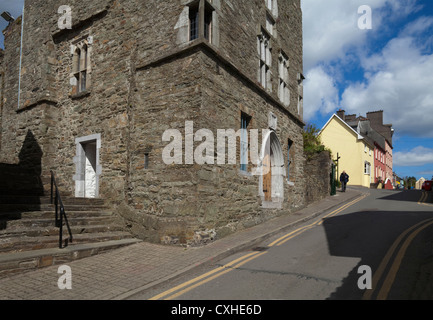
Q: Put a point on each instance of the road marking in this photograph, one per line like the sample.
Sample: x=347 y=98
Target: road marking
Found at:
x=216 y=273
x=385 y=261
x=424 y=198
x=318 y=222
x=389 y=281
x=233 y=265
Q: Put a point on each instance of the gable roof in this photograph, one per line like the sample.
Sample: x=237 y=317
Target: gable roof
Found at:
x=348 y=127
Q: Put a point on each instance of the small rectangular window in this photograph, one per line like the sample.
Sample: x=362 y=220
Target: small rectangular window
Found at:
x=208 y=25
x=283 y=71
x=289 y=158
x=193 y=23
x=245 y=123
x=196 y=30
x=146 y=161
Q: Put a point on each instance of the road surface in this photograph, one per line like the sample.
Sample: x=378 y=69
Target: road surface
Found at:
x=379 y=246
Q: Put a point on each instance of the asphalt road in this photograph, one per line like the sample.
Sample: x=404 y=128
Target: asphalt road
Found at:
x=379 y=246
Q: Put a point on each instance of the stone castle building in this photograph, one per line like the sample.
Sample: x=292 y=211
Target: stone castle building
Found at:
x=92 y=103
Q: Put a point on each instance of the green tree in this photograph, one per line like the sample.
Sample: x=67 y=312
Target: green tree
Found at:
x=410 y=182
x=312 y=142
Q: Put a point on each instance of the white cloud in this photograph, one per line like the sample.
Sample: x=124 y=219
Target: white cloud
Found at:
x=331 y=35
x=418 y=156
x=399 y=81
x=331 y=27
x=322 y=93
x=397 y=77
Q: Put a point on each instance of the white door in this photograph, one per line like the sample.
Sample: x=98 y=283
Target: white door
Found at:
x=90 y=171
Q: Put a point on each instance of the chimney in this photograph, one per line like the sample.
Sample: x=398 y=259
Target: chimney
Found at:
x=341 y=114
x=376 y=118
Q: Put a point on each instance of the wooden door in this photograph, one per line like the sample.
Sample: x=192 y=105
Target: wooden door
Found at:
x=267 y=178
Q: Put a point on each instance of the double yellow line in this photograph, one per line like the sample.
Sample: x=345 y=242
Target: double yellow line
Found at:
x=424 y=198
x=318 y=222
x=395 y=266
x=218 y=272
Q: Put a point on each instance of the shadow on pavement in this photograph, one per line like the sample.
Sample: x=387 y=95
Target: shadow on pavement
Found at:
x=406 y=195
x=346 y=237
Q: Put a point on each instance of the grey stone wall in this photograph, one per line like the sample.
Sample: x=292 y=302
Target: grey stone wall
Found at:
x=317 y=177
x=145 y=79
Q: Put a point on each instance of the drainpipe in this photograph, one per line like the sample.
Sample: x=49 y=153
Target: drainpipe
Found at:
x=21 y=57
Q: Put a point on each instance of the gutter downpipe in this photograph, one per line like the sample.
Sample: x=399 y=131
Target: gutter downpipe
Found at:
x=21 y=57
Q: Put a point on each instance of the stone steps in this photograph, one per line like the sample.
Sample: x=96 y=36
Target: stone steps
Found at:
x=45 y=231
x=14 y=244
x=41 y=222
x=29 y=238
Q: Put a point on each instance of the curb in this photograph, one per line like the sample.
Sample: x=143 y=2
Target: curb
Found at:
x=247 y=245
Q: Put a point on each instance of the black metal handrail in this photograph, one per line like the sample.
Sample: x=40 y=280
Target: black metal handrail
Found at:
x=60 y=212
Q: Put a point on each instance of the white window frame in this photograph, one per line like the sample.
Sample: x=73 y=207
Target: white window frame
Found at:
x=283 y=83
x=81 y=65
x=265 y=55
x=367 y=167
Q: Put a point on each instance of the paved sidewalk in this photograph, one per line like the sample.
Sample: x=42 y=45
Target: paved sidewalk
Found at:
x=127 y=271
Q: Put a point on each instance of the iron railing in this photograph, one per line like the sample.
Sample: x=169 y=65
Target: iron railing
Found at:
x=61 y=217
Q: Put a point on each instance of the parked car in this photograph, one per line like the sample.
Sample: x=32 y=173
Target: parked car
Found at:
x=427 y=185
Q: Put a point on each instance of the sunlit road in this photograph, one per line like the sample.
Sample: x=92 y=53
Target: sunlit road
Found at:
x=389 y=232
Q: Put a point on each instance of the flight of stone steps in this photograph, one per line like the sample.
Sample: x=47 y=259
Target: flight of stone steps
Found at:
x=29 y=238
x=26 y=224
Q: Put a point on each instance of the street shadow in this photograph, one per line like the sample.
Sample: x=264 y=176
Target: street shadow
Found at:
x=403 y=195
x=368 y=235
x=20 y=184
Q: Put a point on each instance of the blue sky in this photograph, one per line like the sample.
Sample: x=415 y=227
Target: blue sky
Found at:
x=389 y=67
x=15 y=8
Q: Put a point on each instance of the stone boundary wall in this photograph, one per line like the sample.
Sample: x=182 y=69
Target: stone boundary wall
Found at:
x=317 y=172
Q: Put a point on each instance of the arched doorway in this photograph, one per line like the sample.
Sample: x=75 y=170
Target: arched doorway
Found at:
x=271 y=185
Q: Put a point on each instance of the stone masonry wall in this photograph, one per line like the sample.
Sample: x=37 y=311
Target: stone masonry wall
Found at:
x=145 y=79
x=318 y=177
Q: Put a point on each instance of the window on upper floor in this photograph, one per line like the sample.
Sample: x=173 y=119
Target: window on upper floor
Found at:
x=245 y=125
x=283 y=72
x=301 y=79
x=80 y=77
x=270 y=25
x=272 y=6
x=194 y=21
x=290 y=157
x=265 y=54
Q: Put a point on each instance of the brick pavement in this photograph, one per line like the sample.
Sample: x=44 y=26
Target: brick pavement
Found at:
x=121 y=273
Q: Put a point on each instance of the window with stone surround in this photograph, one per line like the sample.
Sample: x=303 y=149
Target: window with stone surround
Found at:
x=81 y=70
x=283 y=85
x=272 y=6
x=301 y=79
x=195 y=26
x=270 y=25
x=265 y=53
x=244 y=145
x=193 y=22
x=290 y=157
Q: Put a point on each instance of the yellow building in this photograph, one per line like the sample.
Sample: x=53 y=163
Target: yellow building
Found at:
x=355 y=151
